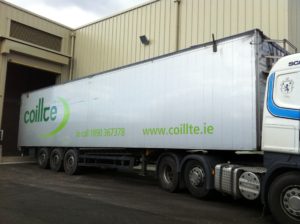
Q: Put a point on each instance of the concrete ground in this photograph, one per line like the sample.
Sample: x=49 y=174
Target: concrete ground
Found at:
x=31 y=195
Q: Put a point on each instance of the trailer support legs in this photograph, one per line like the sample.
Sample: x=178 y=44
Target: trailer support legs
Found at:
x=144 y=164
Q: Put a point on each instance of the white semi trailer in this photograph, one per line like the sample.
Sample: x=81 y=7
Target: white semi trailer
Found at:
x=210 y=117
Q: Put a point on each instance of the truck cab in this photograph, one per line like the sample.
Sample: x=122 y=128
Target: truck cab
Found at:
x=280 y=140
x=282 y=107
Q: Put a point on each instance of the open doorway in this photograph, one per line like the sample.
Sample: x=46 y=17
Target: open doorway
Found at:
x=19 y=79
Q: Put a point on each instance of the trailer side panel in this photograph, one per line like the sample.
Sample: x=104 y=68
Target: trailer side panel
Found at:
x=196 y=99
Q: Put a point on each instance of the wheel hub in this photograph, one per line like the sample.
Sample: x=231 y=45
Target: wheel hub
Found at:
x=196 y=176
x=291 y=201
x=70 y=161
x=56 y=159
x=42 y=157
x=168 y=174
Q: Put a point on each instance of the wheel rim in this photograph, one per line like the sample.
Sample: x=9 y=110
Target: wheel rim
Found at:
x=290 y=201
x=70 y=161
x=56 y=159
x=196 y=176
x=168 y=175
x=42 y=158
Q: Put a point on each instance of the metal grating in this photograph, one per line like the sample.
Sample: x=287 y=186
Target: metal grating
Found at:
x=35 y=36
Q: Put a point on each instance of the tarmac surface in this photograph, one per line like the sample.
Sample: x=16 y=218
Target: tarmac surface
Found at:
x=32 y=195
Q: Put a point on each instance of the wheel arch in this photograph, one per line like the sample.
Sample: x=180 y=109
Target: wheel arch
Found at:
x=272 y=174
x=175 y=156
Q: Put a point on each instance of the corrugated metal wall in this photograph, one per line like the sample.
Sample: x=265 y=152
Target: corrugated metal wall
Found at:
x=114 y=41
x=200 y=18
x=294 y=22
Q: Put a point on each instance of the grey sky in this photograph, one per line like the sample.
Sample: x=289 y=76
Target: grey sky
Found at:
x=99 y=7
x=75 y=13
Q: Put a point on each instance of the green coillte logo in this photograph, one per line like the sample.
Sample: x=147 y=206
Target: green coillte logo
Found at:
x=40 y=113
x=44 y=113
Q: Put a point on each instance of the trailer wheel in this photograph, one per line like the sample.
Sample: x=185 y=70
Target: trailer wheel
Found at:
x=71 y=162
x=284 y=198
x=167 y=174
x=56 y=159
x=43 y=156
x=196 y=178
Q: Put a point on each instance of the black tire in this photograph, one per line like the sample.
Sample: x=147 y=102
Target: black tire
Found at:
x=43 y=156
x=196 y=177
x=71 y=162
x=167 y=174
x=284 y=198
x=56 y=159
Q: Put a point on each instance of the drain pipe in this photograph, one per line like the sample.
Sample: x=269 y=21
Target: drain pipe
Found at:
x=0 y=154
x=73 y=36
x=177 y=24
x=1 y=140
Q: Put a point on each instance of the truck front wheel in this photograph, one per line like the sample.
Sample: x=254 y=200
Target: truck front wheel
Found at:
x=71 y=162
x=195 y=178
x=43 y=156
x=284 y=198
x=167 y=174
x=56 y=159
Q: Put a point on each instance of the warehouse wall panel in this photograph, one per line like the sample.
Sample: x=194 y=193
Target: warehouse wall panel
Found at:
x=115 y=40
x=293 y=22
x=228 y=17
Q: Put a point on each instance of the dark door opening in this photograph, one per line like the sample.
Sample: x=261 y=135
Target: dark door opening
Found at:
x=19 y=79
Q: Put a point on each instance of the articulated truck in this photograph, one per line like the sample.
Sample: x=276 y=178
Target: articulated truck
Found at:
x=222 y=116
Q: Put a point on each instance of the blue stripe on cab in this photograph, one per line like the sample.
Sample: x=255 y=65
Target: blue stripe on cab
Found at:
x=279 y=111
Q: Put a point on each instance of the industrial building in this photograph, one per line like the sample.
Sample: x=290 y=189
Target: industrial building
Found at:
x=36 y=52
